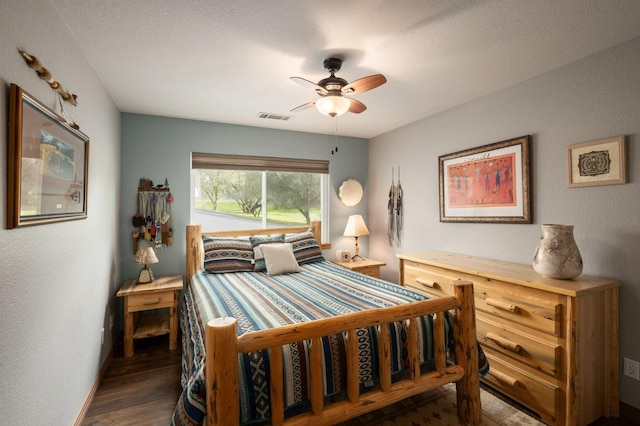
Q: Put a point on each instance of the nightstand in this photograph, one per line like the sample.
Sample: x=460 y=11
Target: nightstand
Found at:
x=161 y=293
x=364 y=266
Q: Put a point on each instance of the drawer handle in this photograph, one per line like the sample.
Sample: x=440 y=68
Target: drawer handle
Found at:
x=427 y=283
x=501 y=305
x=505 y=343
x=151 y=302
x=504 y=378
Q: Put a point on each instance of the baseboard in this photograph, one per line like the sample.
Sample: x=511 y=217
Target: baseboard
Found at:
x=89 y=399
x=629 y=412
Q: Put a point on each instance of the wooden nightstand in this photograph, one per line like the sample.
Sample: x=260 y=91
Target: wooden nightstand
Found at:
x=364 y=266
x=161 y=293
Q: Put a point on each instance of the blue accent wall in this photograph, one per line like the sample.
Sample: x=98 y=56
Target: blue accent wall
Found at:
x=160 y=147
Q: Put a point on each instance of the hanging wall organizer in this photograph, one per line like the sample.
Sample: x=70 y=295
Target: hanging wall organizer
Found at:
x=152 y=221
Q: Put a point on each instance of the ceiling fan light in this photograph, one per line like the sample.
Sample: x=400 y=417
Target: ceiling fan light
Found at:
x=333 y=106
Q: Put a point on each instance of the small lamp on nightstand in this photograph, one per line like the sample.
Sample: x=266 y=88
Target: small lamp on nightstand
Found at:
x=145 y=256
x=356 y=228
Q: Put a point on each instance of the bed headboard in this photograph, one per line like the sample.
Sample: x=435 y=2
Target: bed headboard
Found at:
x=195 y=254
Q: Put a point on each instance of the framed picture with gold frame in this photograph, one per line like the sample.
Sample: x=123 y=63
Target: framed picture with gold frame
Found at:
x=489 y=183
x=47 y=164
x=599 y=162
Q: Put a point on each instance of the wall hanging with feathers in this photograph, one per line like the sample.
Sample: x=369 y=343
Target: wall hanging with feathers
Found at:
x=394 y=228
x=44 y=74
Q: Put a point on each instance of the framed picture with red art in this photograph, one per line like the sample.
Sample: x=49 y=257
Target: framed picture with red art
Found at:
x=489 y=183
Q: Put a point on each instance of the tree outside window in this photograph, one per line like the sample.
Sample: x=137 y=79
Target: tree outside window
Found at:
x=284 y=198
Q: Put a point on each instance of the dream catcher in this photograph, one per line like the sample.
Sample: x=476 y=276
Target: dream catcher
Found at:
x=394 y=228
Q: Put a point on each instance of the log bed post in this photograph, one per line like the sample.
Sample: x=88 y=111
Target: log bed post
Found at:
x=316 y=228
x=467 y=388
x=221 y=372
x=194 y=252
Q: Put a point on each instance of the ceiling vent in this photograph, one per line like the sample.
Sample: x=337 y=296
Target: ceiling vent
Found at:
x=272 y=116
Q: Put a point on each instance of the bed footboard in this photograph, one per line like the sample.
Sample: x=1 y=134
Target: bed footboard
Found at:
x=223 y=346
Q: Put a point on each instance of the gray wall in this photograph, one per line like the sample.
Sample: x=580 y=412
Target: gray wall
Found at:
x=159 y=147
x=57 y=281
x=594 y=98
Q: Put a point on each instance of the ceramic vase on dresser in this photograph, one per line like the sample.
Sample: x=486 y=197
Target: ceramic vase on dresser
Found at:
x=557 y=255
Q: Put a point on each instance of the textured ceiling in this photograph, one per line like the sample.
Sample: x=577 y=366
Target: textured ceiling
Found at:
x=227 y=61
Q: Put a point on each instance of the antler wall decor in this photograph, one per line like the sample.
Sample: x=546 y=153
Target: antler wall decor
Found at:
x=45 y=75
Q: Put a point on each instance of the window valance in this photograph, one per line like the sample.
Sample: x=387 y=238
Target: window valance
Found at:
x=251 y=162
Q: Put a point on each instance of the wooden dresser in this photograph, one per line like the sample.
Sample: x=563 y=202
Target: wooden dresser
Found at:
x=552 y=344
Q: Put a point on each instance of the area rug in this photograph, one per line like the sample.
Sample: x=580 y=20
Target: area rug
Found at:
x=438 y=407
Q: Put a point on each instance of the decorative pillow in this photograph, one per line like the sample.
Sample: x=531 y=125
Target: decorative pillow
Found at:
x=227 y=254
x=279 y=259
x=305 y=247
x=256 y=242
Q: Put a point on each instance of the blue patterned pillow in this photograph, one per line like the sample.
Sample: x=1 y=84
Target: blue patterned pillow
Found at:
x=227 y=254
x=256 y=242
x=305 y=247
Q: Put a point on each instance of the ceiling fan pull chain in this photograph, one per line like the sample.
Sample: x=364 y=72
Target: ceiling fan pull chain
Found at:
x=335 y=137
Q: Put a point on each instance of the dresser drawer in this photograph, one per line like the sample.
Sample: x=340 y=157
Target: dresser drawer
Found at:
x=543 y=355
x=520 y=305
x=424 y=279
x=147 y=301
x=530 y=307
x=541 y=396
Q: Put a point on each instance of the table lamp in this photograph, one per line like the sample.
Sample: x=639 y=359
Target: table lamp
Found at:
x=145 y=256
x=356 y=228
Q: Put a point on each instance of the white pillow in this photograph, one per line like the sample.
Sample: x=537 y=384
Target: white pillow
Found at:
x=280 y=258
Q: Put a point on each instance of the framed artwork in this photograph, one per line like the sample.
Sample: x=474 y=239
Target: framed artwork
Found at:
x=601 y=162
x=47 y=164
x=489 y=183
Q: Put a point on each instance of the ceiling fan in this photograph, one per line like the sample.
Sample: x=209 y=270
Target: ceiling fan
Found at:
x=334 y=90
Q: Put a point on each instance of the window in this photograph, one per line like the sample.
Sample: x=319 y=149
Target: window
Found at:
x=244 y=192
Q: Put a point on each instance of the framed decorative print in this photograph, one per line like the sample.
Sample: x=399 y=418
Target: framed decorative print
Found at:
x=48 y=164
x=489 y=183
x=600 y=162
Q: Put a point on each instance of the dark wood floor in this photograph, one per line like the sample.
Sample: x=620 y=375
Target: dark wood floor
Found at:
x=140 y=391
x=143 y=390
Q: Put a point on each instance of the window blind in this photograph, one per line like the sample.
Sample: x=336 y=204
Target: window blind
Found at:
x=251 y=162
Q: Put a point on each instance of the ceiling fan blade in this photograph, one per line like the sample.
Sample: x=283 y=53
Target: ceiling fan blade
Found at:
x=356 y=106
x=303 y=106
x=307 y=83
x=364 y=84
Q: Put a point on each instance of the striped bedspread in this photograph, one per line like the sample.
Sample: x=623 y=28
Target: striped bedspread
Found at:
x=259 y=301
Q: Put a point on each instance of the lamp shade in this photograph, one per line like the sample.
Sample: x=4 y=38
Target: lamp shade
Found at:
x=145 y=256
x=355 y=227
x=333 y=105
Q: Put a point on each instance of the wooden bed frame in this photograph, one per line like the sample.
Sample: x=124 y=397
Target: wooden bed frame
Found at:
x=223 y=346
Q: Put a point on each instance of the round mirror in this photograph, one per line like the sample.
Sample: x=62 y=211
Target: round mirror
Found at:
x=350 y=192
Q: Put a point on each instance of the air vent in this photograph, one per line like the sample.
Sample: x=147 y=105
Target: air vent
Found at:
x=272 y=116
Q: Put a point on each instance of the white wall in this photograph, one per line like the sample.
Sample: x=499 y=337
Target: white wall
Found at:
x=594 y=98
x=57 y=281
